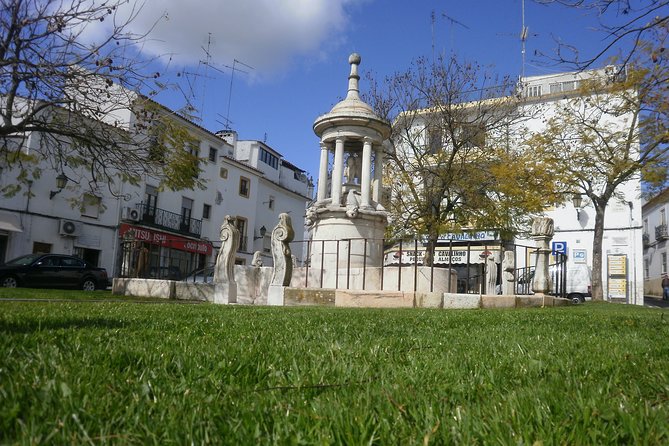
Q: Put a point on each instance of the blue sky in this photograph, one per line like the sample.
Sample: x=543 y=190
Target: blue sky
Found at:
x=299 y=50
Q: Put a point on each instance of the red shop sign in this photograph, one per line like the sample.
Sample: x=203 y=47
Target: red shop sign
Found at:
x=167 y=240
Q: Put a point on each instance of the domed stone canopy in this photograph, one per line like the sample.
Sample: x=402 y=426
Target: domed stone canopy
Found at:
x=352 y=111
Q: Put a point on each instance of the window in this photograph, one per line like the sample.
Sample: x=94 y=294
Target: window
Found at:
x=663 y=217
x=664 y=262
x=435 y=140
x=213 y=153
x=269 y=159
x=645 y=226
x=223 y=172
x=150 y=203
x=473 y=135
x=240 y=222
x=186 y=212
x=534 y=91
x=91 y=206
x=39 y=247
x=244 y=187
x=206 y=211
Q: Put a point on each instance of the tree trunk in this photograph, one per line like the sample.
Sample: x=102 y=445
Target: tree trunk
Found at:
x=597 y=255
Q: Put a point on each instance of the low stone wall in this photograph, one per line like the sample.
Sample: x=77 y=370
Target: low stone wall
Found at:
x=388 y=279
x=254 y=283
x=410 y=299
x=163 y=289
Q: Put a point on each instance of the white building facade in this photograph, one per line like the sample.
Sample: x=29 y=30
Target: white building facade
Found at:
x=622 y=258
x=141 y=230
x=655 y=246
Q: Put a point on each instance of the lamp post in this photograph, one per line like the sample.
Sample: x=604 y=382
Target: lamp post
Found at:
x=61 y=182
x=262 y=231
x=577 y=201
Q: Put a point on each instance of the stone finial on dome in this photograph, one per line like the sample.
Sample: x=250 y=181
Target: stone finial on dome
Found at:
x=353 y=78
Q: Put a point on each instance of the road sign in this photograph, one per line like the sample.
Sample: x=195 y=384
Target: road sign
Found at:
x=579 y=255
x=559 y=248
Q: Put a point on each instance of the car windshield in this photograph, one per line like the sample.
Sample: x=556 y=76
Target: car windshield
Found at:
x=24 y=260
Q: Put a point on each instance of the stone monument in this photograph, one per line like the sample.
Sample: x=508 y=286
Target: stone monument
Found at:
x=282 y=235
x=347 y=206
x=542 y=232
x=225 y=290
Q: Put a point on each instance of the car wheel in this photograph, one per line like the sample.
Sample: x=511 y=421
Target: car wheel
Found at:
x=576 y=298
x=88 y=285
x=10 y=282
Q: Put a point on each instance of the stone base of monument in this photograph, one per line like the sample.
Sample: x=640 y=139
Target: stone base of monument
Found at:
x=225 y=293
x=275 y=295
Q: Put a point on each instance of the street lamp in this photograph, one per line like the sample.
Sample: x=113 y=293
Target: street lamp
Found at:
x=577 y=201
x=61 y=182
x=262 y=231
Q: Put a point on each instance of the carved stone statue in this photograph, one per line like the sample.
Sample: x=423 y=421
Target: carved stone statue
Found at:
x=257 y=259
x=491 y=271
x=352 y=169
x=508 y=274
x=225 y=261
x=282 y=235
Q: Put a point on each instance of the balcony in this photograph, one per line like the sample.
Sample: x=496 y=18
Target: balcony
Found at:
x=661 y=232
x=162 y=219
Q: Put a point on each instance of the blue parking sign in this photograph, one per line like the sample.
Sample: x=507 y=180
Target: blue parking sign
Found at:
x=559 y=248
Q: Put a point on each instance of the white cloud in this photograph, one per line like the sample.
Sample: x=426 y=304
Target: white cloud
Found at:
x=266 y=34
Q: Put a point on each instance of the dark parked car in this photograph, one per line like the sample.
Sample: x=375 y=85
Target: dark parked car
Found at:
x=52 y=271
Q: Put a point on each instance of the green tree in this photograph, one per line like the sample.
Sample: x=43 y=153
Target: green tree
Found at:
x=615 y=129
x=456 y=162
x=71 y=95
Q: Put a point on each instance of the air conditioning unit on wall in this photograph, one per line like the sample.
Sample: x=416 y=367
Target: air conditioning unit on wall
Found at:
x=69 y=228
x=130 y=213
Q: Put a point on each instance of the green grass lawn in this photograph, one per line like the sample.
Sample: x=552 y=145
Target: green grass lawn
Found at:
x=124 y=373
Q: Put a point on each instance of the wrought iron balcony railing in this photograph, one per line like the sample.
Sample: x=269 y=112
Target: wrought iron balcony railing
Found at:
x=160 y=218
x=661 y=232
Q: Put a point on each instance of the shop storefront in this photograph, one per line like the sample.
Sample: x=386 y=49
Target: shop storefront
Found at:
x=155 y=254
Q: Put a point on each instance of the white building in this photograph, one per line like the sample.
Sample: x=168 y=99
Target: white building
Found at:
x=622 y=261
x=622 y=270
x=655 y=247
x=179 y=229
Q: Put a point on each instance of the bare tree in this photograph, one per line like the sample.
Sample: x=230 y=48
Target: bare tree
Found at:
x=76 y=94
x=455 y=163
x=626 y=25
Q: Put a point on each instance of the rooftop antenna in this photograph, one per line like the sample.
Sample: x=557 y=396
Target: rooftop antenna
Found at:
x=432 y=20
x=232 y=77
x=453 y=23
x=206 y=69
x=523 y=39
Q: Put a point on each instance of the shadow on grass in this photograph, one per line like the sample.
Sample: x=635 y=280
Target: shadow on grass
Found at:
x=32 y=326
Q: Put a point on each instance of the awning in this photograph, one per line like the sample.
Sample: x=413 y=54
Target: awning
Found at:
x=9 y=221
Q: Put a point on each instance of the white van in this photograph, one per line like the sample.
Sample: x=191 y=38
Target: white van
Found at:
x=579 y=282
x=578 y=286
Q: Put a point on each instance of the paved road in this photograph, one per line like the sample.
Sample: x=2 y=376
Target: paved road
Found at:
x=655 y=303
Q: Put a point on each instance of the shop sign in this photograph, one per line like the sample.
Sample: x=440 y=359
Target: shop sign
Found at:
x=164 y=239
x=442 y=256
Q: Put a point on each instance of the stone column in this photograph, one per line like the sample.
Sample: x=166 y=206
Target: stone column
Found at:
x=337 y=172
x=366 y=175
x=378 y=174
x=225 y=287
x=322 y=174
x=542 y=232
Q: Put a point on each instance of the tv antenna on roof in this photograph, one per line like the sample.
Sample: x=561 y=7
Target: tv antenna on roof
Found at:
x=453 y=22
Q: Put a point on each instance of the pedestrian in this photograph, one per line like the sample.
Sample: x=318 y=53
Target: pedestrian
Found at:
x=665 y=287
